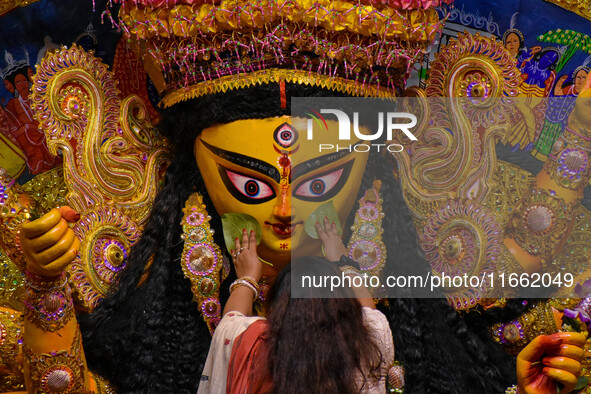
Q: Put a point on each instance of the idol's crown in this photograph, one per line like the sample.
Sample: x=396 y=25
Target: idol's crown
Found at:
x=191 y=48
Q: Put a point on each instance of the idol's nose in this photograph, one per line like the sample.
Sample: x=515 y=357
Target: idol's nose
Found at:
x=283 y=210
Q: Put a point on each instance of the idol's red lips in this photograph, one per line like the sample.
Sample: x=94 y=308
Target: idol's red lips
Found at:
x=283 y=229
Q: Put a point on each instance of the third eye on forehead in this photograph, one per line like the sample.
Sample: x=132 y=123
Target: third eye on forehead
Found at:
x=285 y=135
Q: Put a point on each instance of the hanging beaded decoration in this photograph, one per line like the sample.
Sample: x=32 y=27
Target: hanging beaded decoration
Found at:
x=366 y=246
x=202 y=260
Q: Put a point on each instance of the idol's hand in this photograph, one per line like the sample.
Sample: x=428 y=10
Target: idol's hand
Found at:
x=48 y=243
x=548 y=360
x=332 y=242
x=246 y=259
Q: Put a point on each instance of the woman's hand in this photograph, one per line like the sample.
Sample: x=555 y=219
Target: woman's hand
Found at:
x=548 y=360
x=245 y=257
x=247 y=263
x=331 y=240
x=48 y=243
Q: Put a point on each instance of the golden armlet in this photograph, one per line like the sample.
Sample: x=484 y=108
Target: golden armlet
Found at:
x=568 y=163
x=57 y=372
x=48 y=303
x=539 y=224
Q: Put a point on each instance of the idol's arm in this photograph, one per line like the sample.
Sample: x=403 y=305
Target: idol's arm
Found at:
x=558 y=189
x=52 y=346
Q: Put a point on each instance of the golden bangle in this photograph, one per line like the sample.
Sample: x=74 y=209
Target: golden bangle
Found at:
x=252 y=281
x=242 y=282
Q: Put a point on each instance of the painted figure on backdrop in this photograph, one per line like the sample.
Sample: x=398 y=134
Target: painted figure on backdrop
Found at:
x=537 y=71
x=88 y=39
x=559 y=106
x=576 y=84
x=513 y=42
x=48 y=45
x=513 y=39
x=537 y=74
x=24 y=128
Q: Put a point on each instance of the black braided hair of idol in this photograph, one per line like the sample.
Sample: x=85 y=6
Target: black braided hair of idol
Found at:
x=152 y=339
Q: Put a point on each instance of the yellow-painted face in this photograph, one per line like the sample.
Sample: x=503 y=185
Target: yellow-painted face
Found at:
x=248 y=167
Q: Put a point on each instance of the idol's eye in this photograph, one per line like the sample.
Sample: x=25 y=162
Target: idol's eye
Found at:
x=323 y=186
x=245 y=188
x=319 y=186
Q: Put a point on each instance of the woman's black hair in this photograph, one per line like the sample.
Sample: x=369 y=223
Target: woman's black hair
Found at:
x=307 y=327
x=152 y=339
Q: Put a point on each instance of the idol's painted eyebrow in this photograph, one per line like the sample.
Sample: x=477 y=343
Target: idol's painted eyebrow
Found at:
x=245 y=161
x=317 y=162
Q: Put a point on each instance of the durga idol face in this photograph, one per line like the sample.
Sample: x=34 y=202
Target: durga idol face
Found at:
x=248 y=167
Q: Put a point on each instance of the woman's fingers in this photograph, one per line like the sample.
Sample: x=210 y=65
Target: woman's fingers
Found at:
x=248 y=240
x=246 y=260
x=326 y=229
x=334 y=228
x=236 y=246
x=328 y=226
x=321 y=232
x=252 y=240
x=244 y=239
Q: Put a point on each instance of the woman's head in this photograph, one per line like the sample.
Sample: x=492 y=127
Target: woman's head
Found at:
x=308 y=280
x=325 y=330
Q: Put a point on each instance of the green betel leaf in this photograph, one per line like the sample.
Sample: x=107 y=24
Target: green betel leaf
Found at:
x=581 y=383
x=234 y=223
x=325 y=210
